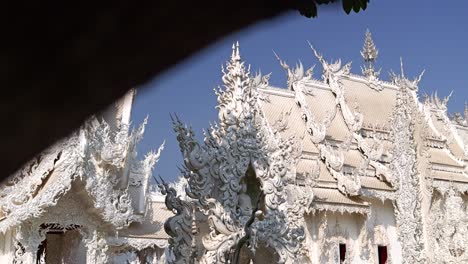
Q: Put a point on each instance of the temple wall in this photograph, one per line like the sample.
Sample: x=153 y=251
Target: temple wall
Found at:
x=447 y=227
x=325 y=231
x=382 y=230
x=65 y=248
x=6 y=247
x=361 y=235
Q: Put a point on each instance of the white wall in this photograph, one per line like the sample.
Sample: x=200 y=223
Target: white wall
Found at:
x=6 y=247
x=325 y=230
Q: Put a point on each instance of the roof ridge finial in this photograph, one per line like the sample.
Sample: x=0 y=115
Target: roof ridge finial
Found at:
x=235 y=52
x=369 y=53
x=402 y=71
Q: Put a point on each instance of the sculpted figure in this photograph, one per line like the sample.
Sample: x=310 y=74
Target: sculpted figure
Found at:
x=245 y=203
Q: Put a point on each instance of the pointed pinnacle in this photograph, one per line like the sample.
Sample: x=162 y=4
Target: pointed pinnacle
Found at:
x=369 y=52
x=401 y=67
x=233 y=51
x=276 y=55
x=317 y=55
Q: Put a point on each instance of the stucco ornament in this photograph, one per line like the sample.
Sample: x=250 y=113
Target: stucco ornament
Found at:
x=333 y=156
x=459 y=118
x=178 y=226
x=330 y=236
x=448 y=228
x=332 y=73
x=370 y=53
x=297 y=82
x=243 y=147
x=333 y=153
x=111 y=160
x=408 y=197
x=22 y=196
x=102 y=160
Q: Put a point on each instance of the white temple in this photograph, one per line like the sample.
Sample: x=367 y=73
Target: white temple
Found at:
x=342 y=169
x=85 y=199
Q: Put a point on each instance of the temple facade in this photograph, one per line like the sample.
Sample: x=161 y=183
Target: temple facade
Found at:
x=333 y=168
x=339 y=169
x=86 y=199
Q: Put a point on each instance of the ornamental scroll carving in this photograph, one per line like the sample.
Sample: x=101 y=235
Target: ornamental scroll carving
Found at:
x=447 y=227
x=101 y=158
x=331 y=75
x=24 y=195
x=243 y=147
x=297 y=82
x=330 y=235
x=371 y=151
x=408 y=198
x=109 y=163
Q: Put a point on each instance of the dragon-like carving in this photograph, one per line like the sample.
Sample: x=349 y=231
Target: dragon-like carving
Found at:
x=297 y=82
x=109 y=160
x=178 y=226
x=331 y=75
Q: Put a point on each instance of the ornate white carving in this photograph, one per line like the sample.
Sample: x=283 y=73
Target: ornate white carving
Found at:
x=435 y=103
x=22 y=197
x=103 y=161
x=448 y=223
x=109 y=160
x=370 y=53
x=459 y=119
x=332 y=74
x=330 y=236
x=217 y=169
x=349 y=184
x=340 y=208
x=297 y=82
x=408 y=199
x=138 y=243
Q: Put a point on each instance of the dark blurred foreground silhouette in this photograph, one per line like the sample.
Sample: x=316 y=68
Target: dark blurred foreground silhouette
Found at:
x=63 y=61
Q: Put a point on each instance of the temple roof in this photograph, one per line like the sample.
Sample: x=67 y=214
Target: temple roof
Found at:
x=335 y=201
x=153 y=226
x=99 y=155
x=337 y=101
x=321 y=102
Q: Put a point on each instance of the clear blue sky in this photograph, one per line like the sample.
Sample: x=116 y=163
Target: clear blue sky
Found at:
x=429 y=35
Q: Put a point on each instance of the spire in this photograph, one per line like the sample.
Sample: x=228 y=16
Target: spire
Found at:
x=235 y=52
x=465 y=113
x=369 y=53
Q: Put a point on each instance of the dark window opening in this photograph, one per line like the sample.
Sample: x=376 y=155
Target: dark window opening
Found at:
x=382 y=250
x=41 y=251
x=342 y=253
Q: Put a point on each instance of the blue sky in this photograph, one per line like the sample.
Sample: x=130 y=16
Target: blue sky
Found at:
x=429 y=35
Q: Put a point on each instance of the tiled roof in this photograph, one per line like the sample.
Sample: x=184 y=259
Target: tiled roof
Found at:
x=333 y=196
x=377 y=106
x=151 y=227
x=374 y=183
x=450 y=176
x=442 y=156
x=279 y=104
